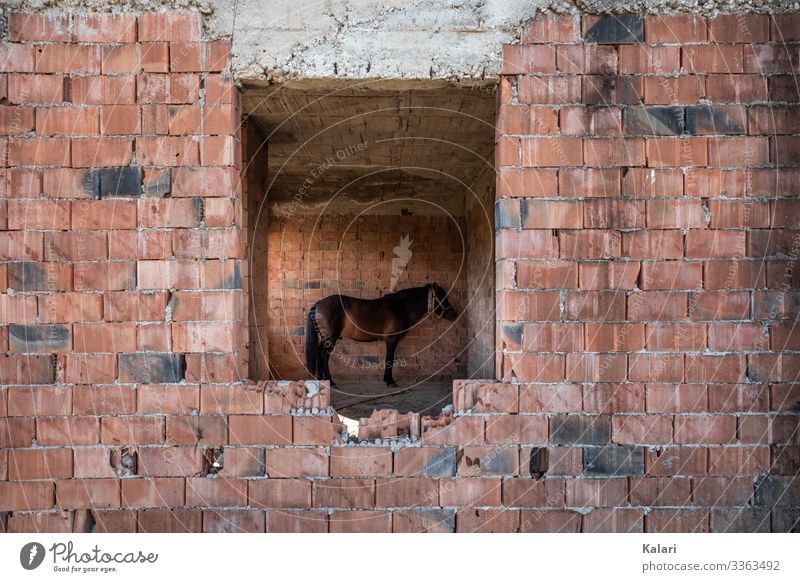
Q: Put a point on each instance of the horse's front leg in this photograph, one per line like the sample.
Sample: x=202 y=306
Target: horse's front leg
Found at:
x=391 y=346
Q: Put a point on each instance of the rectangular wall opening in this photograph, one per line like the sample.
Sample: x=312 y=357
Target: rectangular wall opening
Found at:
x=364 y=189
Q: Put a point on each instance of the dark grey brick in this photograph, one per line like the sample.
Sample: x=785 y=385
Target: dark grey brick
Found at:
x=573 y=429
x=619 y=29
x=713 y=119
x=512 y=332
x=158 y=183
x=773 y=491
x=786 y=520
x=613 y=460
x=641 y=120
x=151 y=367
x=29 y=276
x=507 y=213
x=30 y=339
x=538 y=462
x=123 y=182
x=740 y=520
x=441 y=465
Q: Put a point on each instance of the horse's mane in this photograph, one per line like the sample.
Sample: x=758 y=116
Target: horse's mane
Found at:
x=407 y=292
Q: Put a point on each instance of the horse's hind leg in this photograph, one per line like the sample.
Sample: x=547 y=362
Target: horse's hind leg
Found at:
x=391 y=346
x=327 y=345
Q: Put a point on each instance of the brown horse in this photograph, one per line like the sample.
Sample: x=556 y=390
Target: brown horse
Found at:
x=367 y=320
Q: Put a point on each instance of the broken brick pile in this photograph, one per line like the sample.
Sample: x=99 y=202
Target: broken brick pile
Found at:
x=646 y=244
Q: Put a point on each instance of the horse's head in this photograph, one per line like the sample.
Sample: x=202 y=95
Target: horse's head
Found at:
x=441 y=306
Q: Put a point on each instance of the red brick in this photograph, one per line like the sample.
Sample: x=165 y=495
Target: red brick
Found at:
x=526 y=244
x=170 y=274
x=132 y=430
x=17 y=432
x=93 y=463
x=720 y=491
x=101 y=152
x=65 y=58
x=39 y=401
x=661 y=90
x=551 y=28
x=614 y=337
x=611 y=89
x=712 y=58
x=39 y=27
x=669 y=461
x=218 y=492
x=615 y=152
x=666 y=520
x=279 y=493
x=163 y=492
x=16 y=120
x=724 y=337
x=16 y=58
x=296 y=462
x=513 y=120
x=546 y=275
x=470 y=492
x=69 y=307
x=18 y=496
x=25 y=465
x=167 y=151
x=518 y=305
x=715 y=244
x=647 y=183
x=170 y=26
x=462 y=430
x=296 y=521
x=170 y=461
x=361 y=462
x=728 y=88
x=167 y=399
x=675 y=28
x=422 y=521
x=534 y=367
x=597 y=492
x=233 y=521
x=18 y=309
x=694 y=429
x=609 y=275
x=589 y=182
x=38 y=151
x=589 y=244
x=550 y=89
x=636 y=59
x=40 y=522
x=169 y=520
x=728 y=368
x=552 y=337
x=738 y=151
x=719 y=305
x=550 y=398
x=550 y=521
x=104 y=28
x=597 y=367
x=590 y=58
x=614 y=214
x=672 y=275
x=642 y=429
x=652 y=491
x=551 y=152
x=260 y=430
x=134 y=306
x=202 y=337
x=358 y=493
x=744 y=461
x=26 y=369
x=654 y=367
x=120 y=120
x=594 y=305
x=361 y=522
x=520 y=59
x=67 y=121
x=425 y=461
x=87 y=493
x=739 y=28
x=676 y=337
x=516 y=430
x=203 y=429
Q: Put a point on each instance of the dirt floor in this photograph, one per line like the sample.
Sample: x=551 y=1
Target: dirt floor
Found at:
x=359 y=399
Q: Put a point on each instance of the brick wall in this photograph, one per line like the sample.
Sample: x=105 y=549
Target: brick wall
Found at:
x=311 y=257
x=645 y=297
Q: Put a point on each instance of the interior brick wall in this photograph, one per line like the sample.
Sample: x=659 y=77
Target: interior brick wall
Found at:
x=646 y=296
x=311 y=257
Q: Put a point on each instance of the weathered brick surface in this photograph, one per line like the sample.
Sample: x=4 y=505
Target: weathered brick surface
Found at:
x=646 y=241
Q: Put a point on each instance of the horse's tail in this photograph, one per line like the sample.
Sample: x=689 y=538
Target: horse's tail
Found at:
x=312 y=341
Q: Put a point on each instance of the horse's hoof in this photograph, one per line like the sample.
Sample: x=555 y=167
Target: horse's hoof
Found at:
x=392 y=384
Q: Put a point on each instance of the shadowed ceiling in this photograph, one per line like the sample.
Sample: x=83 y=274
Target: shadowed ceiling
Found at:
x=379 y=147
